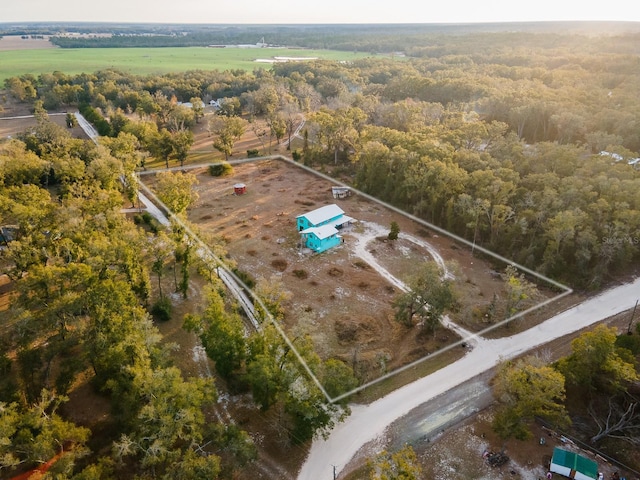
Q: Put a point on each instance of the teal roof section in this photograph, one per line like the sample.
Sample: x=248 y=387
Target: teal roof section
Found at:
x=576 y=462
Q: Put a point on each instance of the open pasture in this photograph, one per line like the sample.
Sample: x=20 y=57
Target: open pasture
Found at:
x=144 y=61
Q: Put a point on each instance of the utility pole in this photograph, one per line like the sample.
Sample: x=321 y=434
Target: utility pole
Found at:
x=335 y=475
x=631 y=319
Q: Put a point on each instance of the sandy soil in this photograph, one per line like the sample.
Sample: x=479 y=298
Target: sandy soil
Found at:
x=369 y=422
x=336 y=297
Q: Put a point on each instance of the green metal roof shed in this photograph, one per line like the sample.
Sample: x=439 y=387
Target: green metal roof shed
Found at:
x=572 y=465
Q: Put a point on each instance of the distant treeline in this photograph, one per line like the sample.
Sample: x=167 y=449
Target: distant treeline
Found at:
x=414 y=40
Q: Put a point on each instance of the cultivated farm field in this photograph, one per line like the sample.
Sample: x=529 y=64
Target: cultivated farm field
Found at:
x=143 y=61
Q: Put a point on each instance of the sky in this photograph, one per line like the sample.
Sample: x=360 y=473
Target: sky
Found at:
x=323 y=11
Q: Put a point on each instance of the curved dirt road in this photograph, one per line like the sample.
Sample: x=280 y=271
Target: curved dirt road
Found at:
x=368 y=422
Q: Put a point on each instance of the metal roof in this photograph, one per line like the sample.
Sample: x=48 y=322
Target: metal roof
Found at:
x=322 y=232
x=322 y=214
x=581 y=467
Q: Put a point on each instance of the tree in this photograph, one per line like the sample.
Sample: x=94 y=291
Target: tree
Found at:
x=182 y=141
x=126 y=148
x=401 y=465
x=106 y=170
x=428 y=297
x=228 y=130
x=394 y=231
x=273 y=296
x=161 y=248
x=119 y=336
x=276 y=376
x=292 y=116
x=596 y=363
x=277 y=127
x=197 y=105
x=310 y=413
x=194 y=466
x=618 y=419
x=525 y=389
x=176 y=190
x=268 y=369
x=170 y=420
x=338 y=130
x=186 y=257
x=19 y=166
x=161 y=145
x=337 y=378
x=519 y=292
x=230 y=107
x=33 y=436
x=221 y=334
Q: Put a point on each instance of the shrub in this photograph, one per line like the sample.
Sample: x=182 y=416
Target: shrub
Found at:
x=162 y=309
x=279 y=264
x=394 y=231
x=147 y=218
x=247 y=279
x=220 y=169
x=252 y=153
x=301 y=274
x=630 y=342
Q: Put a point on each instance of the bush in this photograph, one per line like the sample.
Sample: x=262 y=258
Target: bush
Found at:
x=220 y=169
x=301 y=274
x=394 y=231
x=147 y=219
x=92 y=116
x=247 y=279
x=252 y=153
x=162 y=309
x=630 y=342
x=5 y=364
x=279 y=264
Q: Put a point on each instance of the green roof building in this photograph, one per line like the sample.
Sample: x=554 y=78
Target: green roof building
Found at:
x=572 y=465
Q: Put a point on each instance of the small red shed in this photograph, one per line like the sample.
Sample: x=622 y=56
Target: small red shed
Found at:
x=239 y=189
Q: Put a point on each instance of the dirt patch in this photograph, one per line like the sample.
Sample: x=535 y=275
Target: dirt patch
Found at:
x=16 y=118
x=460 y=454
x=16 y=42
x=336 y=297
x=203 y=140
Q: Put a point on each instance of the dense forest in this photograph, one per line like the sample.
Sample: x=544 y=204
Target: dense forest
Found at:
x=501 y=144
x=524 y=143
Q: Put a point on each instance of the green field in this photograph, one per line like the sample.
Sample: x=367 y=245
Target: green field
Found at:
x=149 y=60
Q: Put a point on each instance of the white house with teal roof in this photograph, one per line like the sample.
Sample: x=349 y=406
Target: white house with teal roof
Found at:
x=320 y=228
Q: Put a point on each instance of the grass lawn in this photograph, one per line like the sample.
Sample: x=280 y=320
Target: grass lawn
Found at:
x=143 y=61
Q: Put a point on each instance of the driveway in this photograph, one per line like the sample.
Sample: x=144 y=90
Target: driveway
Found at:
x=369 y=422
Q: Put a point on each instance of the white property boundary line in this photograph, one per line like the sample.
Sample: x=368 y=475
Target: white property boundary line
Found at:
x=565 y=289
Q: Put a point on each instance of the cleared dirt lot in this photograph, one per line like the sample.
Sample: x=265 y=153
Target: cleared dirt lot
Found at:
x=16 y=118
x=16 y=42
x=336 y=297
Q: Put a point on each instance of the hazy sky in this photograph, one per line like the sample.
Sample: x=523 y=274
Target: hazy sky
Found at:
x=323 y=11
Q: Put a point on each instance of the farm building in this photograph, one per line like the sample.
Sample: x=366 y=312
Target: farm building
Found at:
x=319 y=228
x=572 y=465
